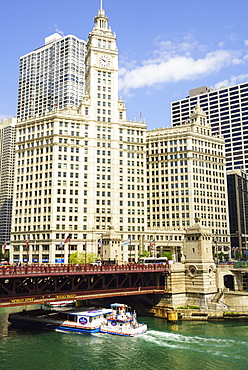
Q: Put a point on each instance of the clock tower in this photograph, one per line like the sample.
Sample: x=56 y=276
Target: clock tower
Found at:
x=101 y=79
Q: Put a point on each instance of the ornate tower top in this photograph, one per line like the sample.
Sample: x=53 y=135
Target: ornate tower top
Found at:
x=101 y=20
x=198 y=116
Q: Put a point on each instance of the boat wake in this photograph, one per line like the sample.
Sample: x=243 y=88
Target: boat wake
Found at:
x=218 y=347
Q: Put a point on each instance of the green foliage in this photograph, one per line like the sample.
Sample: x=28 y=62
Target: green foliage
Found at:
x=2 y=255
x=221 y=256
x=168 y=255
x=145 y=254
x=238 y=255
x=231 y=313
x=82 y=258
x=188 y=308
x=194 y=307
x=182 y=308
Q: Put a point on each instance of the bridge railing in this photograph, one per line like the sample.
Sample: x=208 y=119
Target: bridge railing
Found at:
x=70 y=268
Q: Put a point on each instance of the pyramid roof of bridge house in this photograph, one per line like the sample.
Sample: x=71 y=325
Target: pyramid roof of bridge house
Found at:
x=197 y=228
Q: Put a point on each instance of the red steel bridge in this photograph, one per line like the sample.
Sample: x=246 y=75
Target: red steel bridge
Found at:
x=31 y=284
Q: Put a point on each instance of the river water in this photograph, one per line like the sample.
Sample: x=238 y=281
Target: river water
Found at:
x=182 y=346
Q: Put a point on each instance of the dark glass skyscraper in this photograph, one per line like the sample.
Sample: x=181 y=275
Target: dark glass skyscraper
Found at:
x=237 y=182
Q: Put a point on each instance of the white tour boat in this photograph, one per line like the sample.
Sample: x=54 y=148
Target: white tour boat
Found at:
x=115 y=320
x=122 y=322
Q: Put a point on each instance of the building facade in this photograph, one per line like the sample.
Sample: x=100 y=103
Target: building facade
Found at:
x=227 y=112
x=186 y=179
x=81 y=172
x=51 y=76
x=7 y=157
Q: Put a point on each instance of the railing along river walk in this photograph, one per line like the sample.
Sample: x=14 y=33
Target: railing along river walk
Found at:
x=77 y=269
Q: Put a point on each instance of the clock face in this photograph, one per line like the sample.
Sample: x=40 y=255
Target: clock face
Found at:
x=104 y=60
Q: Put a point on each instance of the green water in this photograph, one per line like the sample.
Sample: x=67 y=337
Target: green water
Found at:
x=183 y=346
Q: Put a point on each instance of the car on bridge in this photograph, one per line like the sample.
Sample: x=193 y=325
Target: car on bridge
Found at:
x=96 y=263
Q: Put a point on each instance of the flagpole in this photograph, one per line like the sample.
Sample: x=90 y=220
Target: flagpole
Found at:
x=154 y=251
x=61 y=252
x=34 y=250
x=101 y=250
x=68 y=240
x=130 y=250
x=27 y=249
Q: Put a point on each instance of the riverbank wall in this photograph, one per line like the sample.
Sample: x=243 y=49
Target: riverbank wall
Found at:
x=224 y=306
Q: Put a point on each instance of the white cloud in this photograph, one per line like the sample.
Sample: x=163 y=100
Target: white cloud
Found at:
x=58 y=31
x=169 y=66
x=234 y=80
x=168 y=49
x=221 y=44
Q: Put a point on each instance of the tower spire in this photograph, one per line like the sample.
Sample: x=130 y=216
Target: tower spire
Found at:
x=101 y=20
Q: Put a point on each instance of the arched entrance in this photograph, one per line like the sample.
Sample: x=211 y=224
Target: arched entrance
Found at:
x=229 y=281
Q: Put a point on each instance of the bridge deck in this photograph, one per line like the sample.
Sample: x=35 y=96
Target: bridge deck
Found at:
x=61 y=269
x=35 y=284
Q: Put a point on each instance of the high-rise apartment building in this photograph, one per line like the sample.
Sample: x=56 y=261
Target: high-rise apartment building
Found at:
x=7 y=160
x=81 y=171
x=51 y=76
x=227 y=112
x=186 y=179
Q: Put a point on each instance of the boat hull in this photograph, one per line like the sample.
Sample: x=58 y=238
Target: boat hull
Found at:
x=78 y=330
x=124 y=333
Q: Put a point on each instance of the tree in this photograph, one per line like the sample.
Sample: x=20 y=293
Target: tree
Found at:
x=168 y=255
x=221 y=256
x=2 y=255
x=237 y=255
x=82 y=258
x=145 y=254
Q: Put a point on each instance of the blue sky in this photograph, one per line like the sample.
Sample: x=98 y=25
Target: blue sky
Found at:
x=166 y=47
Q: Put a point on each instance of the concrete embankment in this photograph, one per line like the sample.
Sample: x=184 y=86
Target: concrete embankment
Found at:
x=187 y=314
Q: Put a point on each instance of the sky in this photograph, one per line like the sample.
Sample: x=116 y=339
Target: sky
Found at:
x=166 y=47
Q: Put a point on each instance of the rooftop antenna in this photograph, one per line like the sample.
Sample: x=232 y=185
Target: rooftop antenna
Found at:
x=100 y=4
